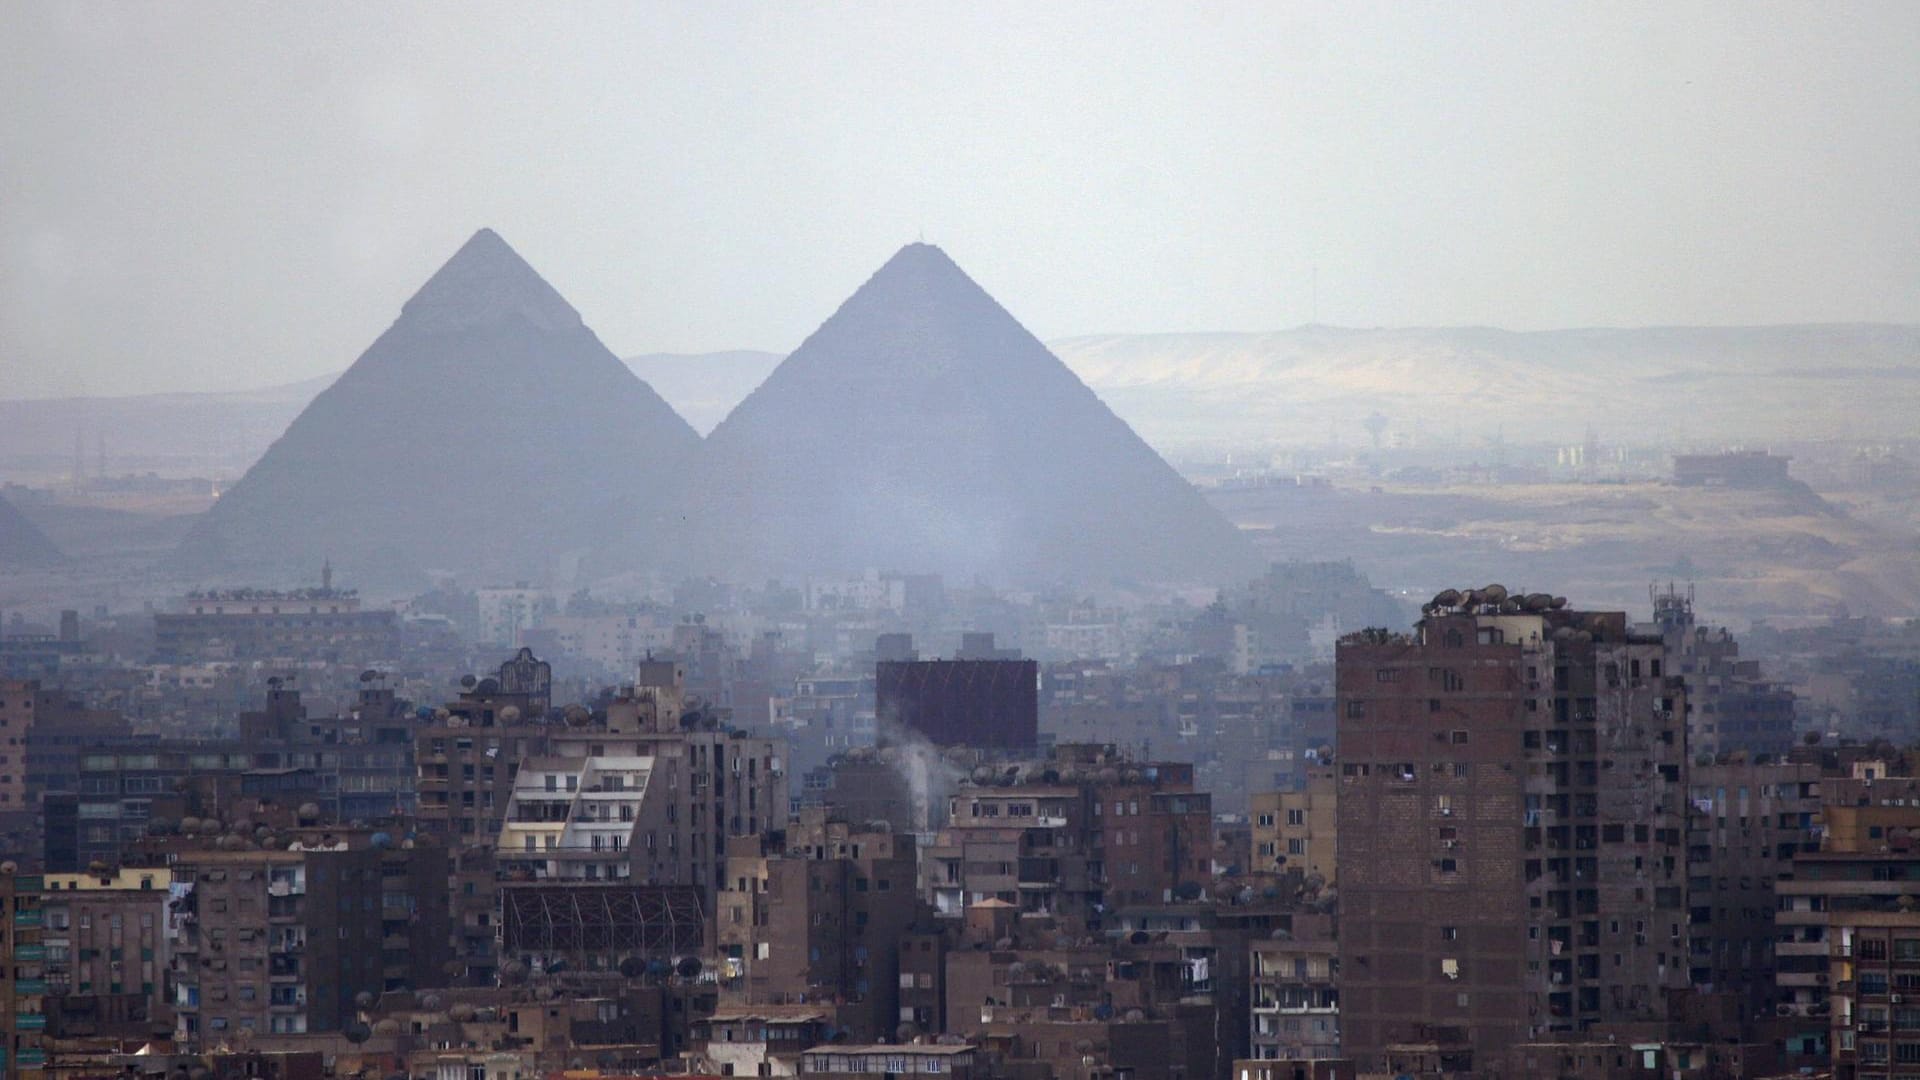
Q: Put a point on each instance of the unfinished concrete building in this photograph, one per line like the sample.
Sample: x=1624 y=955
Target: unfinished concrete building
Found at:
x=1512 y=820
x=650 y=794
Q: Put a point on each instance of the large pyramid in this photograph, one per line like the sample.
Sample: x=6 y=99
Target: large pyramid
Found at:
x=922 y=428
x=487 y=433
x=22 y=545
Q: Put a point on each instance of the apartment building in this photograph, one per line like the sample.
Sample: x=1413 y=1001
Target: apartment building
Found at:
x=1512 y=823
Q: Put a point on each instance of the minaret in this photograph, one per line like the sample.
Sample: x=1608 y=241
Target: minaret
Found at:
x=326 y=576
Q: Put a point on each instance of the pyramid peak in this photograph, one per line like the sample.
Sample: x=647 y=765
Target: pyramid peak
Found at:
x=485 y=281
x=921 y=253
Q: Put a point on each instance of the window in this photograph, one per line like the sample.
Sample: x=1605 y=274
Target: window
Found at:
x=1356 y=709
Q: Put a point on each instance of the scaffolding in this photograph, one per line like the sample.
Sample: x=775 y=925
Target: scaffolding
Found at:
x=580 y=920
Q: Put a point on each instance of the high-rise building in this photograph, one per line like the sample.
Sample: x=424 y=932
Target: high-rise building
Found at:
x=1512 y=823
x=281 y=941
x=106 y=951
x=1748 y=821
x=650 y=794
x=468 y=753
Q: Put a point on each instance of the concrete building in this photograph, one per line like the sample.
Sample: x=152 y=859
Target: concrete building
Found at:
x=468 y=755
x=815 y=914
x=1085 y=829
x=1747 y=822
x=1299 y=830
x=758 y=1040
x=1296 y=993
x=846 y=1062
x=1512 y=824
x=651 y=794
x=1731 y=705
x=505 y=612
x=265 y=624
x=1849 y=930
x=281 y=941
x=23 y=984
x=106 y=944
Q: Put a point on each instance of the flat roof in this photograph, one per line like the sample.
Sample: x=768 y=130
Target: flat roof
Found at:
x=894 y=1048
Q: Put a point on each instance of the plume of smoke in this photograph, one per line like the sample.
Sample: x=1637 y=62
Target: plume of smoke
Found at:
x=930 y=778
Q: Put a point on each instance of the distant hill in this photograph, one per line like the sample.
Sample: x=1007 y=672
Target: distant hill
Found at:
x=1751 y=384
x=212 y=434
x=704 y=387
x=921 y=428
x=487 y=433
x=1185 y=391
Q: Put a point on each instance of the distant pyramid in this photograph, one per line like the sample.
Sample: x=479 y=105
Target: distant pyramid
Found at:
x=22 y=545
x=488 y=433
x=923 y=429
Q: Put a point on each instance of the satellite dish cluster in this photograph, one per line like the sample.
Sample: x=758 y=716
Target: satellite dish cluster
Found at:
x=1491 y=600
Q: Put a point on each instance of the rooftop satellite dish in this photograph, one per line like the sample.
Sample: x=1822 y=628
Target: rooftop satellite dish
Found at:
x=467 y=682
x=369 y=675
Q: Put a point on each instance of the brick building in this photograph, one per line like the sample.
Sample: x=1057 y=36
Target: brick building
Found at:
x=281 y=941
x=816 y=914
x=1512 y=825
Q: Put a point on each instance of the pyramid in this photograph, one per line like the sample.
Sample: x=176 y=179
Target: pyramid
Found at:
x=922 y=428
x=487 y=433
x=22 y=545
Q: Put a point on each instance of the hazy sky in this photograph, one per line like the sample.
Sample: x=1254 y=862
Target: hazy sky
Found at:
x=200 y=195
